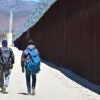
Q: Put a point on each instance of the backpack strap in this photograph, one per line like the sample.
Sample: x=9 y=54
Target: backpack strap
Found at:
x=33 y=53
x=29 y=52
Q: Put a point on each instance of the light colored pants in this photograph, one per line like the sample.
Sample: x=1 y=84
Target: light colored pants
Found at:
x=6 y=76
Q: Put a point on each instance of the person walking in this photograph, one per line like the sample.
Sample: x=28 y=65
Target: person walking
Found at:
x=30 y=62
x=1 y=71
x=6 y=64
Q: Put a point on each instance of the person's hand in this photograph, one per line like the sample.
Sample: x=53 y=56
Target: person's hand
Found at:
x=23 y=70
x=11 y=67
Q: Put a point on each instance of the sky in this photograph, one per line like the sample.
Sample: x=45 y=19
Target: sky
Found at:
x=32 y=0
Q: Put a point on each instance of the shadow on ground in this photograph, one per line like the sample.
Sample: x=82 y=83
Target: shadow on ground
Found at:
x=23 y=93
x=3 y=93
x=75 y=77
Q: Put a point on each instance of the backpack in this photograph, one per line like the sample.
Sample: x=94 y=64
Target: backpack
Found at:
x=33 y=66
x=6 y=58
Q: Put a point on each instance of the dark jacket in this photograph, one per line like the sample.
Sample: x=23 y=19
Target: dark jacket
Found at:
x=11 y=61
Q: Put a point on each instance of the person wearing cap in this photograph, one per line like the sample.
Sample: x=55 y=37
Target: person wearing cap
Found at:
x=25 y=58
x=1 y=70
x=6 y=66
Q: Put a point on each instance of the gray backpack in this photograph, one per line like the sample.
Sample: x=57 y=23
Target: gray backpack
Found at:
x=6 y=58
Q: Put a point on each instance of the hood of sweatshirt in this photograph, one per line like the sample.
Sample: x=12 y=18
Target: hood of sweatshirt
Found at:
x=31 y=46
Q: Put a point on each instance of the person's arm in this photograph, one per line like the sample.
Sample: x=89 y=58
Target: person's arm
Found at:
x=12 y=56
x=23 y=60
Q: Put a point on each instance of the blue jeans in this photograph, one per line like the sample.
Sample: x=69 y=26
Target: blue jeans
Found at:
x=30 y=85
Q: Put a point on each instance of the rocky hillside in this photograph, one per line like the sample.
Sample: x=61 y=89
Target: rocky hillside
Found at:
x=21 y=11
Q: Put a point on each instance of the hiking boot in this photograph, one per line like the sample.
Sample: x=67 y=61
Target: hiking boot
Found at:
x=4 y=89
x=33 y=92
